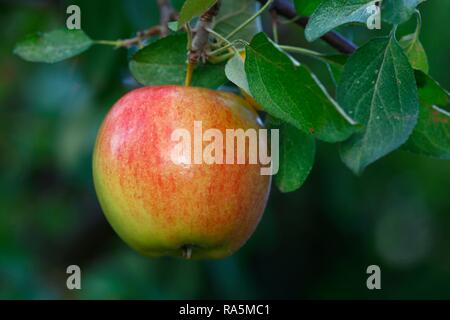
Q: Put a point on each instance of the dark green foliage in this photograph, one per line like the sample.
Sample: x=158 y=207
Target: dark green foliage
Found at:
x=378 y=89
x=272 y=75
x=164 y=62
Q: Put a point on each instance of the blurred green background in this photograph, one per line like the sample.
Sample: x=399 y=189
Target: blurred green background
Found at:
x=313 y=243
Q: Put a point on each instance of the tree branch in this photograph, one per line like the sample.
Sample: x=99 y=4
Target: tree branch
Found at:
x=199 y=44
x=166 y=14
x=286 y=9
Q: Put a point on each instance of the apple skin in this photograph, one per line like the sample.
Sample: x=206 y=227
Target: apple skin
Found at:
x=160 y=208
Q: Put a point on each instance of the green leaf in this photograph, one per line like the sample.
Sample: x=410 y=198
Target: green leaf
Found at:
x=335 y=59
x=164 y=62
x=54 y=46
x=233 y=13
x=378 y=89
x=173 y=26
x=291 y=93
x=430 y=90
x=335 y=72
x=335 y=64
x=398 y=11
x=333 y=13
x=306 y=7
x=297 y=152
x=415 y=52
x=431 y=136
x=192 y=9
x=235 y=72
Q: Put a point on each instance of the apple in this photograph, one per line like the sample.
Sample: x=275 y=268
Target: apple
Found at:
x=159 y=207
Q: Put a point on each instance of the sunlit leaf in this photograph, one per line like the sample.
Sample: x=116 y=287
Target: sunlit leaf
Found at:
x=415 y=52
x=235 y=72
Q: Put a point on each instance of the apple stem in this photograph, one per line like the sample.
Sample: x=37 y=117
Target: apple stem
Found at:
x=189 y=71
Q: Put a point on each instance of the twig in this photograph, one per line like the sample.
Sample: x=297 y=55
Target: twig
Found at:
x=135 y=41
x=166 y=14
x=286 y=9
x=200 y=39
x=199 y=44
x=274 y=15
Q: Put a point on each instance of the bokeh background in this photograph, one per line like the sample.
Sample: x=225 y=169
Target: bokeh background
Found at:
x=313 y=243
